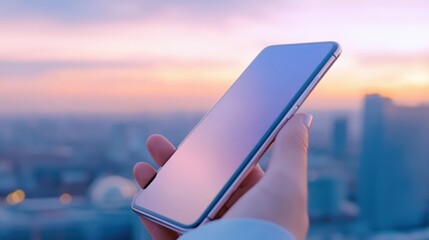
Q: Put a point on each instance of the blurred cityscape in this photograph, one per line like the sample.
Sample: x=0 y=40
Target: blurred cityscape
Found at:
x=70 y=177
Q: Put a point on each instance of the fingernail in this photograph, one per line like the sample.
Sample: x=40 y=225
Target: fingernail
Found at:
x=308 y=120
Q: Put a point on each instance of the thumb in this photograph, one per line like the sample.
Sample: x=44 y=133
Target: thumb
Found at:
x=281 y=195
x=289 y=157
x=286 y=176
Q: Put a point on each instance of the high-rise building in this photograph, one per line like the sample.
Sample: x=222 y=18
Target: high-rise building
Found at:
x=340 y=138
x=394 y=164
x=325 y=196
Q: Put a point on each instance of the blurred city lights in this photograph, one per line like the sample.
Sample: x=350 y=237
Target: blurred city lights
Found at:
x=15 y=197
x=65 y=198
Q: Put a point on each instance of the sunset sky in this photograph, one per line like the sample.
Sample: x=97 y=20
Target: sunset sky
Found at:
x=105 y=56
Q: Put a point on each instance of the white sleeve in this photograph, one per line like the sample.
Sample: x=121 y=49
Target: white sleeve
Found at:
x=239 y=228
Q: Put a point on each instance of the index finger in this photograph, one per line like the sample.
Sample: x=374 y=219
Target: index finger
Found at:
x=160 y=149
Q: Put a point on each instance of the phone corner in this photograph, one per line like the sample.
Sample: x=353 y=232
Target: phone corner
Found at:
x=336 y=48
x=133 y=204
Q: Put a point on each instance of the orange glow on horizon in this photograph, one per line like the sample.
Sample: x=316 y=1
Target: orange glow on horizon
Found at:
x=169 y=63
x=196 y=88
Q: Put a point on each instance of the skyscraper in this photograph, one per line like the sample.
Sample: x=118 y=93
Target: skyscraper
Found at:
x=394 y=161
x=340 y=138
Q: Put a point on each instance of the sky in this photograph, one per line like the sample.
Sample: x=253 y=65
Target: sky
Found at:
x=121 y=57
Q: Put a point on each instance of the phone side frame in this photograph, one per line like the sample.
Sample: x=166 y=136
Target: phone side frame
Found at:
x=266 y=145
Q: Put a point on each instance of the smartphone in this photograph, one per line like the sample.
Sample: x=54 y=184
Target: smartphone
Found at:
x=219 y=152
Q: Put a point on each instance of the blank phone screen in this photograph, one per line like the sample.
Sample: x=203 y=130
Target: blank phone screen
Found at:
x=219 y=147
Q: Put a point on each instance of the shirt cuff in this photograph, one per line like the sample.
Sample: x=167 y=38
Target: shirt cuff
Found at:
x=238 y=228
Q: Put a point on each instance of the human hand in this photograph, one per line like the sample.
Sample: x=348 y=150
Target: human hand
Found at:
x=280 y=196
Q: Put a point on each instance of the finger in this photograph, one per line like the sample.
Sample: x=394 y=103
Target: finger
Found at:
x=160 y=149
x=281 y=195
x=143 y=173
x=289 y=156
x=254 y=176
x=286 y=177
